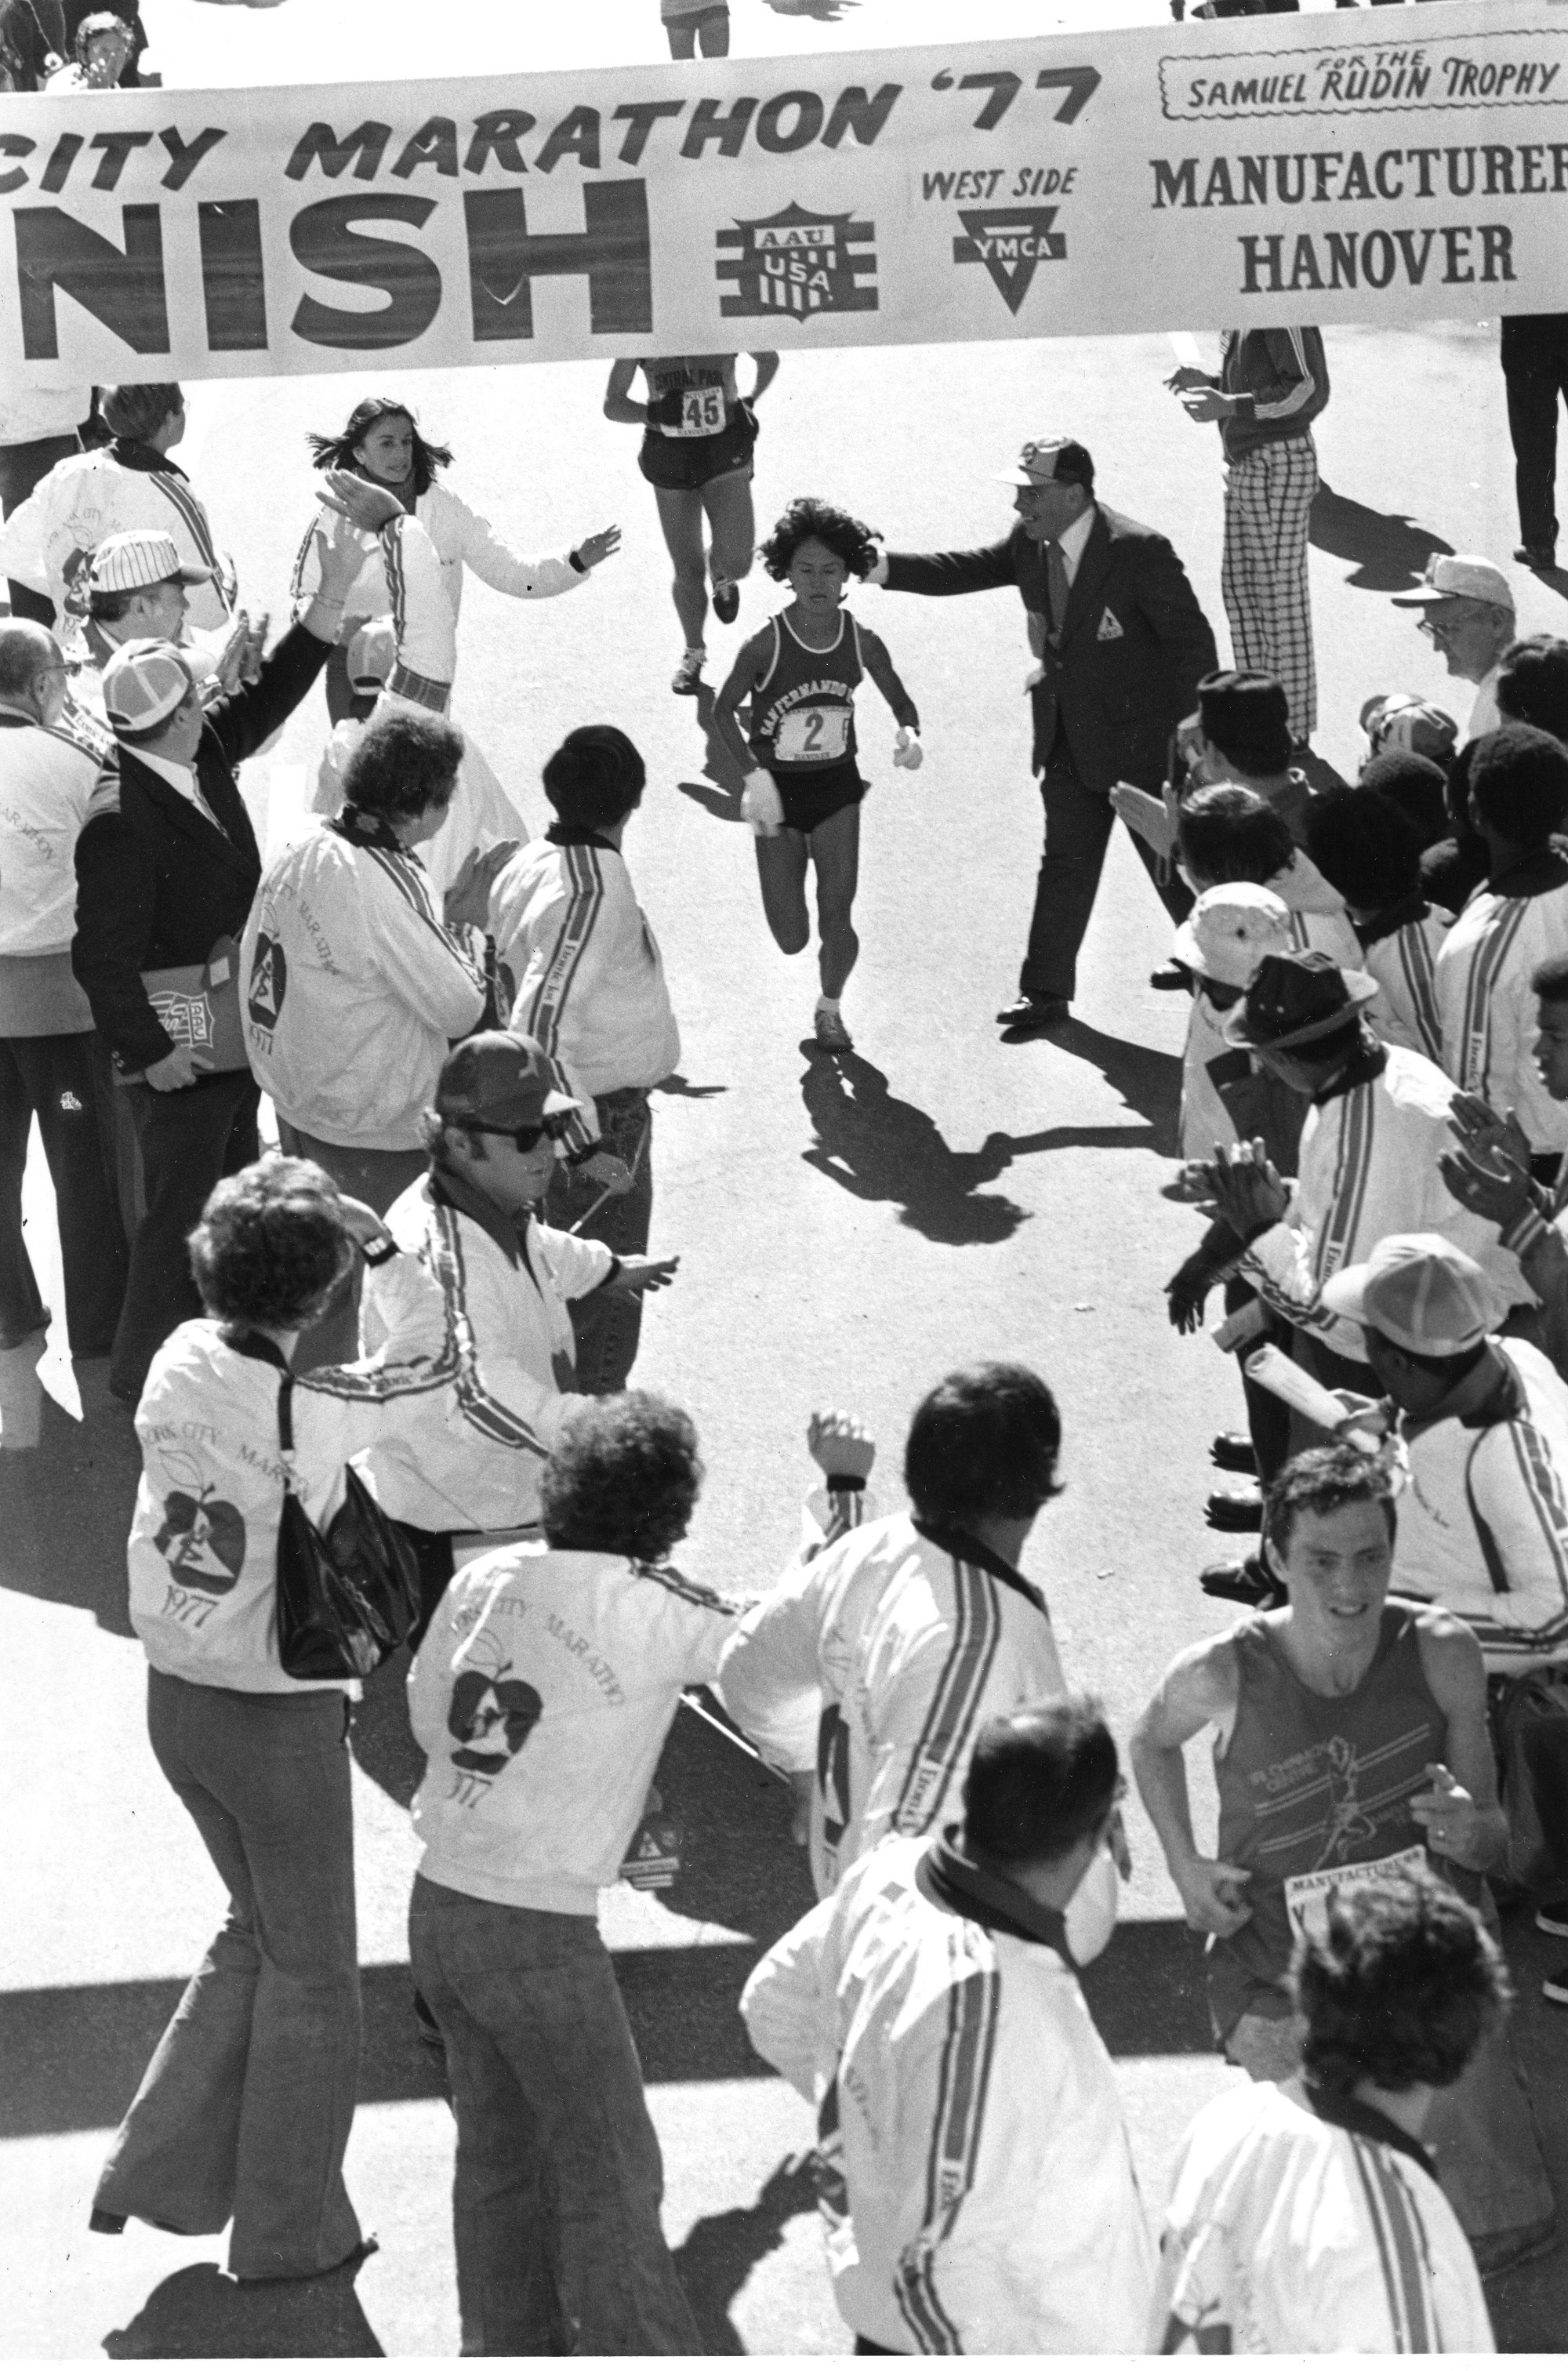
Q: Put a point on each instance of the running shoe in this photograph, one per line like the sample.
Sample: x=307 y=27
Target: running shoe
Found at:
x=831 y=1032
x=1551 y=1917
x=1555 y=1988
x=726 y=600
x=687 y=676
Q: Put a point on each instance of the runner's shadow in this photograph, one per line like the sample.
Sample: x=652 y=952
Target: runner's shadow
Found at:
x=199 y=2313
x=723 y=806
x=1148 y=1081
x=882 y=1149
x=721 y=791
x=675 y=1084
x=1390 y=551
x=719 y=2252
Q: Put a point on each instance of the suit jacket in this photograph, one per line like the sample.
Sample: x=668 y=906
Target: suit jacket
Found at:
x=1132 y=647
x=156 y=884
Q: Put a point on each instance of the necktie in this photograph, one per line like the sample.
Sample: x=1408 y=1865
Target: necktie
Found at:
x=1056 y=590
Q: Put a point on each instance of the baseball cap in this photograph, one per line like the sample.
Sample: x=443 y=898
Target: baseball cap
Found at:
x=142 y=556
x=1459 y=577
x=1247 y=715
x=500 y=1081
x=1229 y=932
x=1399 y=720
x=1423 y=1292
x=1050 y=460
x=142 y=684
x=1296 y=999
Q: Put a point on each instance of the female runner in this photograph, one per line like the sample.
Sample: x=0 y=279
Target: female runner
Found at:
x=697 y=455
x=803 y=790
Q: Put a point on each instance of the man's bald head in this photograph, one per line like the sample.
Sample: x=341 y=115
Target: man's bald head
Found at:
x=30 y=669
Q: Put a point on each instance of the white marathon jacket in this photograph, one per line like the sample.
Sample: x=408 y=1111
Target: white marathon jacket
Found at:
x=203 y=1545
x=425 y=640
x=878 y=1663
x=462 y=539
x=1289 y=2235
x=1485 y=1001
x=47 y=540
x=1368 y=1168
x=47 y=778
x=494 y=1304
x=586 y=968
x=354 y=990
x=976 y=2183
x=542 y=1696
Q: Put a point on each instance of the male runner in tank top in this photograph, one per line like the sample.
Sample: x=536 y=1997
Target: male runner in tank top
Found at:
x=1351 y=1738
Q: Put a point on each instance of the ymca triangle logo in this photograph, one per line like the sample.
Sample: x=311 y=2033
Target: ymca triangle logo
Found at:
x=1010 y=241
x=1109 y=630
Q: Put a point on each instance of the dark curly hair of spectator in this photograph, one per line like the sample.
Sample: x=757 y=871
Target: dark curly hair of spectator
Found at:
x=271 y=1245
x=1225 y=833
x=337 y=452
x=1402 y=1989
x=623 y=1479
x=984 y=1442
x=808 y=517
x=1365 y=846
x=402 y=764
x=596 y=776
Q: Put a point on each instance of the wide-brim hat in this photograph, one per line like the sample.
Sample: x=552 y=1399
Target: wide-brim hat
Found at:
x=1294 y=1000
x=1229 y=932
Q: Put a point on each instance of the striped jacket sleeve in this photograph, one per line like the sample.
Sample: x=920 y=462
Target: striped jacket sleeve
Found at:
x=500 y=563
x=1519 y=1502
x=942 y=2285
x=424 y=962
x=547 y=942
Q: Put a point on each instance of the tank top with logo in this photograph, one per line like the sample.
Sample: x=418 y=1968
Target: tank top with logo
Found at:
x=802 y=712
x=1314 y=1790
x=693 y=395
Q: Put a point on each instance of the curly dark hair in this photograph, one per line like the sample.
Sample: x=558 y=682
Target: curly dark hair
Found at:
x=271 y=1245
x=1226 y=833
x=623 y=1478
x=984 y=1442
x=808 y=517
x=402 y=764
x=1321 y=1481
x=1365 y=846
x=596 y=776
x=1402 y=1989
x=337 y=452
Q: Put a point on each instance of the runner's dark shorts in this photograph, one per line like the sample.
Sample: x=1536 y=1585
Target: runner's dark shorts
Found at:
x=810 y=799
x=682 y=464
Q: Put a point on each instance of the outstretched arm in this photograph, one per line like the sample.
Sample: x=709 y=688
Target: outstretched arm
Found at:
x=618 y=404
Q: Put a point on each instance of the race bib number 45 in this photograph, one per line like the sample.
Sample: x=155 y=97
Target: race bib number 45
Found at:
x=813 y=735
x=702 y=413
x=1307 y=1898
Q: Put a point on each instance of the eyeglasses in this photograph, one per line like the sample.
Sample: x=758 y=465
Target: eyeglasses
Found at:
x=525 y=1139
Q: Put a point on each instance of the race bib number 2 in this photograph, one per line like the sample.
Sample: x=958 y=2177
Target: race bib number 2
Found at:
x=813 y=735
x=1307 y=1898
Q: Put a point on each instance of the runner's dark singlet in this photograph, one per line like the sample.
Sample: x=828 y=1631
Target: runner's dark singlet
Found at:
x=802 y=712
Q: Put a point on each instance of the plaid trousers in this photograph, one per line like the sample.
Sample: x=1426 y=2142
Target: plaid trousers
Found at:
x=1268 y=502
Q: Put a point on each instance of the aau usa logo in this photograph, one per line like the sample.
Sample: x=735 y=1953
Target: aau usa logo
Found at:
x=798 y=263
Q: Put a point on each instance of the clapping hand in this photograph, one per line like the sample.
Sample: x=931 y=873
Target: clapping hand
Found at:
x=1480 y=1131
x=1498 y=1190
x=229 y=666
x=360 y=501
x=840 y=1443
x=469 y=900
x=639 y=1275
x=1247 y=1189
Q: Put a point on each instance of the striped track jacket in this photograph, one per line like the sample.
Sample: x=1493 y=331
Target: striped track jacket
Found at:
x=497 y=1310
x=1483 y=1524
x=1368 y=1168
x=1403 y=961
x=589 y=976
x=1288 y=2235
x=462 y=539
x=1281 y=378
x=90 y=495
x=975 y=2178
x=881 y=1660
x=1484 y=996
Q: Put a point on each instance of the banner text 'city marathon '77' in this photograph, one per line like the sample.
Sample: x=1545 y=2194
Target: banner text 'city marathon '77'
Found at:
x=1369 y=167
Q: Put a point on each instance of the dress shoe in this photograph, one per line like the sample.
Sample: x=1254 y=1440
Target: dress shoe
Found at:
x=1234 y=1452
x=1536 y=555
x=369 y=2246
x=1236 y=1511
x=1247 y=1583
x=1170 y=975
x=1028 y=1014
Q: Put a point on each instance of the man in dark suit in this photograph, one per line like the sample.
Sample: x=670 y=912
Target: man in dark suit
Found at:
x=1120 y=644
x=167 y=864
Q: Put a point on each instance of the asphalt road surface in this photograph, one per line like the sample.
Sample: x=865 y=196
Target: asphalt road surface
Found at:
x=848 y=1228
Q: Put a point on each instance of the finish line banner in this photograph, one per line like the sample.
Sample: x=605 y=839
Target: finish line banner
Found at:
x=1253 y=170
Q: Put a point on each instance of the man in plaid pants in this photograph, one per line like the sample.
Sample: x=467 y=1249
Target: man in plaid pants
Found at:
x=1272 y=385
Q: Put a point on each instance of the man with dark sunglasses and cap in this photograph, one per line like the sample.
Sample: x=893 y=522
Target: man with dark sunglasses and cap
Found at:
x=480 y=1272
x=1119 y=643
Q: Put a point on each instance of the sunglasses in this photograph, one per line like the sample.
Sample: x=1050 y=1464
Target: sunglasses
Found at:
x=525 y=1139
